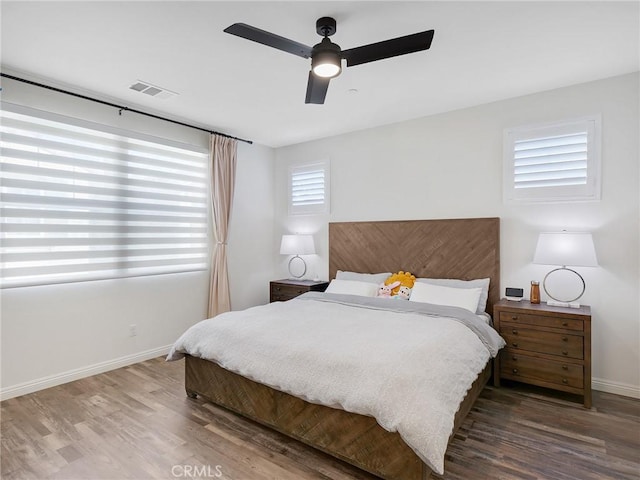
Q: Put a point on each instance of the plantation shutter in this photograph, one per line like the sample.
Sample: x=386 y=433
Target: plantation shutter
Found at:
x=82 y=201
x=309 y=188
x=553 y=162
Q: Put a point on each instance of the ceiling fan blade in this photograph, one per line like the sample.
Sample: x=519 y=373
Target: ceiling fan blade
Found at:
x=388 y=48
x=316 y=89
x=270 y=39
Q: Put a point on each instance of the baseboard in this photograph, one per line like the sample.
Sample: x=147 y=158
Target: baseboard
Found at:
x=599 y=384
x=76 y=374
x=608 y=386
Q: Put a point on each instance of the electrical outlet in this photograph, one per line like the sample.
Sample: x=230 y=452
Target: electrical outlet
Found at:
x=133 y=330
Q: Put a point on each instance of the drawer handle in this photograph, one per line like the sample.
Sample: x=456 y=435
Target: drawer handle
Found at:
x=564 y=352
x=515 y=345
x=514 y=331
x=300 y=291
x=565 y=381
x=514 y=317
x=515 y=370
x=278 y=289
x=565 y=339
x=565 y=324
x=514 y=358
x=564 y=367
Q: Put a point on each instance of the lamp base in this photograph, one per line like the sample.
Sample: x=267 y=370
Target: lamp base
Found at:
x=557 y=302
x=304 y=268
x=553 y=303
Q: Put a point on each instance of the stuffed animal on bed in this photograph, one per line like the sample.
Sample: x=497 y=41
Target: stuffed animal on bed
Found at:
x=403 y=293
x=384 y=290
x=405 y=279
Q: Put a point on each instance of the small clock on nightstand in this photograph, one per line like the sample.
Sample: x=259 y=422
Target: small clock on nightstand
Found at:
x=283 y=290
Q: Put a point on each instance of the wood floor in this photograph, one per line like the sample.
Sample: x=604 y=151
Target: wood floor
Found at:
x=137 y=423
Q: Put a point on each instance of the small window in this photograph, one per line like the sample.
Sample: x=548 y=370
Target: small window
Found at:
x=553 y=162
x=309 y=189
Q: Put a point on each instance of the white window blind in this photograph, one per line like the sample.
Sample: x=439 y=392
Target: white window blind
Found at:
x=309 y=188
x=81 y=201
x=553 y=162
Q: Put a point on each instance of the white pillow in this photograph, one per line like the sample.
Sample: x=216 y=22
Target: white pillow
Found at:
x=466 y=298
x=352 y=287
x=482 y=283
x=376 y=278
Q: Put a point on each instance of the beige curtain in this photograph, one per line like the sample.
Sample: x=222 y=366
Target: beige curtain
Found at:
x=222 y=169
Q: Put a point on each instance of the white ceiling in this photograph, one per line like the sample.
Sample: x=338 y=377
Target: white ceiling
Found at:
x=481 y=52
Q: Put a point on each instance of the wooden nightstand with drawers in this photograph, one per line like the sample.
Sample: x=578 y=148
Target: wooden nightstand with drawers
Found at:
x=283 y=290
x=546 y=346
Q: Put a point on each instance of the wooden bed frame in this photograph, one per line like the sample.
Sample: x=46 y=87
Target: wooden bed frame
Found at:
x=459 y=248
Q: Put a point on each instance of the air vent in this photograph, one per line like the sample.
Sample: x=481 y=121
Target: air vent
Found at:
x=151 y=90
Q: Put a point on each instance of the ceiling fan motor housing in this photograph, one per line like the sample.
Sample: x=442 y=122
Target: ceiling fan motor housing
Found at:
x=326 y=52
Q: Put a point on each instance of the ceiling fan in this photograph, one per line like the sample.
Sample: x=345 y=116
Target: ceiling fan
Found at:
x=326 y=56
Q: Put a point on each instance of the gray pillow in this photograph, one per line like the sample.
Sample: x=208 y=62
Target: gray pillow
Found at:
x=376 y=278
x=455 y=283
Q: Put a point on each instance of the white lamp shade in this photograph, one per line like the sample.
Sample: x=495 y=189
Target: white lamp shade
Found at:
x=566 y=248
x=297 y=245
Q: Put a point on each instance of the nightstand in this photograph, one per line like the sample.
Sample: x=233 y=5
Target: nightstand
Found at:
x=283 y=290
x=546 y=346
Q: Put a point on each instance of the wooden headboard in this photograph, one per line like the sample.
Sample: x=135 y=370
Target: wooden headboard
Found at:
x=466 y=249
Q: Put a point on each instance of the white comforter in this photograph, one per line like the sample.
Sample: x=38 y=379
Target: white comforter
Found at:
x=409 y=367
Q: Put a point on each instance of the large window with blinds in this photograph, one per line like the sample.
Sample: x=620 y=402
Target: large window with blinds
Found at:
x=309 y=188
x=81 y=201
x=553 y=162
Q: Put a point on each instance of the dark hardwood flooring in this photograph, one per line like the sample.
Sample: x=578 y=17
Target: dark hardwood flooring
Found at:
x=137 y=423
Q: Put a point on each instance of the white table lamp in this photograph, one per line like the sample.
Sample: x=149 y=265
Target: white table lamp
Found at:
x=297 y=245
x=573 y=249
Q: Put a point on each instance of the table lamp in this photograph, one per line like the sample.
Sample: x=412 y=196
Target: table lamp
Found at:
x=573 y=249
x=297 y=245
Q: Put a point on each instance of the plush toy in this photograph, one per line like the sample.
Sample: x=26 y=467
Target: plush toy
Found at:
x=403 y=293
x=405 y=279
x=384 y=290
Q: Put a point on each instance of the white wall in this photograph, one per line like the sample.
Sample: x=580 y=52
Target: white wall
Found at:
x=251 y=246
x=450 y=166
x=52 y=334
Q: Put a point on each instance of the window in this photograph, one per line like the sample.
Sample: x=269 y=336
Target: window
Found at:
x=553 y=162
x=81 y=201
x=309 y=189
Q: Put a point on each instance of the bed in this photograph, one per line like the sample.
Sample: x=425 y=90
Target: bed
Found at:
x=460 y=248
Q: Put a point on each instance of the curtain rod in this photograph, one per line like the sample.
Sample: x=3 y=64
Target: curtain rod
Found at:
x=119 y=107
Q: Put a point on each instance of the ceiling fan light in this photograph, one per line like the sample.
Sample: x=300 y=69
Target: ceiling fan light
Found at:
x=326 y=64
x=327 y=70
